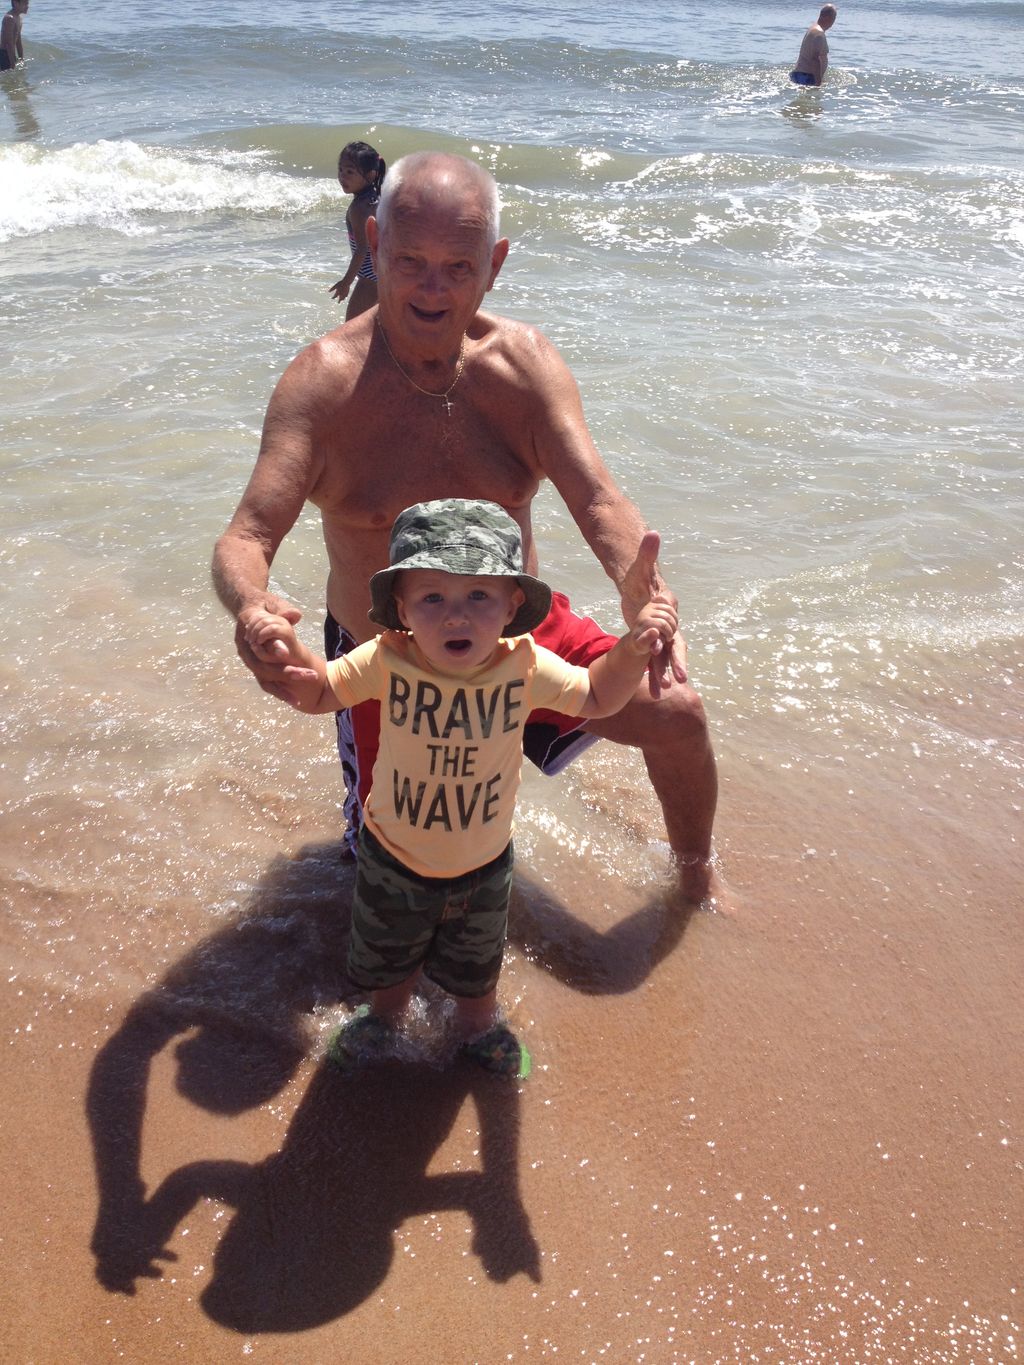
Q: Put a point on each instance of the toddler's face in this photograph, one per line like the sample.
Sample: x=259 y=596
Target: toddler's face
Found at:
x=456 y=619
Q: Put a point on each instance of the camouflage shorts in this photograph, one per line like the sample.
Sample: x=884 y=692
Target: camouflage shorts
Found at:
x=454 y=928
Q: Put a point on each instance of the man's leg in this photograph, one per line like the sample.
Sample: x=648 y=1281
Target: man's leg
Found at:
x=358 y=734
x=672 y=733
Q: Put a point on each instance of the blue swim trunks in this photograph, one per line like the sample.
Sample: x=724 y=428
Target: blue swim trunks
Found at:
x=802 y=78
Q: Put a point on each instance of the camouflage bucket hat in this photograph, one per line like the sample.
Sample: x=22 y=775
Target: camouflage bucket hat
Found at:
x=458 y=535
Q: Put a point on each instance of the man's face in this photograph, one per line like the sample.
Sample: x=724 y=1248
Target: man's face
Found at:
x=434 y=268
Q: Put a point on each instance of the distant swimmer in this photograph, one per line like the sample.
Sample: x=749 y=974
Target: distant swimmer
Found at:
x=360 y=173
x=11 y=50
x=812 y=63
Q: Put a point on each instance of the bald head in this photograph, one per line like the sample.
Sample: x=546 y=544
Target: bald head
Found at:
x=441 y=182
x=827 y=17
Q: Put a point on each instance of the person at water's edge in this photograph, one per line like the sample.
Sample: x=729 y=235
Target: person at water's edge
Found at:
x=428 y=397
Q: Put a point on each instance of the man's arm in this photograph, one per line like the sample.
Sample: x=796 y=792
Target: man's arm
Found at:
x=286 y=471
x=819 y=58
x=610 y=523
x=565 y=451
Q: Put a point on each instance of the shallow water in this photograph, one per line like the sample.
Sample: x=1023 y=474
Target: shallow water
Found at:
x=796 y=323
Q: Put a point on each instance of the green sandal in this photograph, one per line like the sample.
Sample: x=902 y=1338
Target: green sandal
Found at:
x=364 y=1038
x=499 y=1051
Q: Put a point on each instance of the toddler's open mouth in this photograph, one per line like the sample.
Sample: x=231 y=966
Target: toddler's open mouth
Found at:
x=457 y=646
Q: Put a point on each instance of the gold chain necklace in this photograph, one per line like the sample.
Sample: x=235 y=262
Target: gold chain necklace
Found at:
x=430 y=393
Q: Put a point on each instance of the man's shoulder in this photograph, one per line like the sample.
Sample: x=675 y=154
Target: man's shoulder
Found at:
x=519 y=352
x=504 y=331
x=342 y=346
x=332 y=362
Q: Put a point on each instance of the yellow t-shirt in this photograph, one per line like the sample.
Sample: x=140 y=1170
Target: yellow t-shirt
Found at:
x=451 y=746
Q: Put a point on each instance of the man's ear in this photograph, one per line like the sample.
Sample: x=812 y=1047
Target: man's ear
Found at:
x=497 y=260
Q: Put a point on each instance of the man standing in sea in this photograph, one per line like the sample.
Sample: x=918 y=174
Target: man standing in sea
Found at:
x=11 y=50
x=812 y=63
x=427 y=397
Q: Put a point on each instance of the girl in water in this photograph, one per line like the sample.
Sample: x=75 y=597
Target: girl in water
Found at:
x=360 y=173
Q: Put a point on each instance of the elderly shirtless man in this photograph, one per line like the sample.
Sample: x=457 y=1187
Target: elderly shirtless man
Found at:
x=427 y=397
x=812 y=61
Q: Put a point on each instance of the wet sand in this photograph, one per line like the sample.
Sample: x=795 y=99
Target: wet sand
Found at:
x=787 y=1133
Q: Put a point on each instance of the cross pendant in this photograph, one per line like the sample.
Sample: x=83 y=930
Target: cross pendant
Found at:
x=447 y=404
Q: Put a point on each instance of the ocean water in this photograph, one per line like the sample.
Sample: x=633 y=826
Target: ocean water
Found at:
x=797 y=321
x=795 y=317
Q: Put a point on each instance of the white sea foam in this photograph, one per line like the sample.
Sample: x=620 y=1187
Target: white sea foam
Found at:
x=125 y=186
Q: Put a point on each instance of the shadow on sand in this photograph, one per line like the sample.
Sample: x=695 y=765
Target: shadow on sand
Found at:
x=313 y=1230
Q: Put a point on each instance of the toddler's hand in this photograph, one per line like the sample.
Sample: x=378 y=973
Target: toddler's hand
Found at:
x=272 y=638
x=655 y=625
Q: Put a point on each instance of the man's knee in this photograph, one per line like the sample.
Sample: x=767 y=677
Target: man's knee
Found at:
x=673 y=720
x=678 y=716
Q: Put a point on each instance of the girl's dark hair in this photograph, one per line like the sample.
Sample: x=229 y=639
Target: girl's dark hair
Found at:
x=368 y=160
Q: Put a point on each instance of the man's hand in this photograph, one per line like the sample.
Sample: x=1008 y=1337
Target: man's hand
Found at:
x=641 y=585
x=270 y=664
x=126 y=1243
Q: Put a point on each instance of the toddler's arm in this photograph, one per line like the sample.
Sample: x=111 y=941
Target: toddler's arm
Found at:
x=614 y=676
x=273 y=639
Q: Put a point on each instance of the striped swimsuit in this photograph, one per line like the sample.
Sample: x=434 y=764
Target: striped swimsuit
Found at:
x=365 y=271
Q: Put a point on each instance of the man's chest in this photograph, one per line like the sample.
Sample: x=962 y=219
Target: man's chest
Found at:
x=417 y=454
